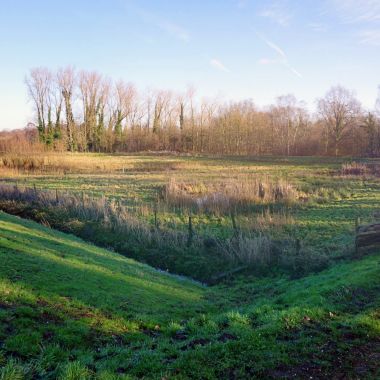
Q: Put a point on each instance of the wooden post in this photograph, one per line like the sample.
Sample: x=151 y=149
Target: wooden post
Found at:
x=155 y=210
x=357 y=223
x=234 y=225
x=191 y=232
x=356 y=246
x=35 y=189
x=56 y=196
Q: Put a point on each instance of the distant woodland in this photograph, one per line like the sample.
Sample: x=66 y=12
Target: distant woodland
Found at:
x=86 y=112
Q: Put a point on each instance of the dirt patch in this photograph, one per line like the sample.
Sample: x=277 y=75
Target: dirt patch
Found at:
x=351 y=299
x=47 y=317
x=194 y=343
x=359 y=361
x=225 y=337
x=180 y=335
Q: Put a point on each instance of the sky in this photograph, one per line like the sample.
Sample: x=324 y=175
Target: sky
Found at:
x=232 y=49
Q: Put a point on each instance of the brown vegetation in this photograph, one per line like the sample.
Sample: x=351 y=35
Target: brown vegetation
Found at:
x=360 y=169
x=116 y=117
x=109 y=223
x=228 y=196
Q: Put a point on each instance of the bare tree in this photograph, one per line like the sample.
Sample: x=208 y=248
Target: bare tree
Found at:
x=162 y=101
x=66 y=79
x=125 y=95
x=104 y=116
x=94 y=91
x=339 y=110
x=377 y=105
x=39 y=84
x=291 y=118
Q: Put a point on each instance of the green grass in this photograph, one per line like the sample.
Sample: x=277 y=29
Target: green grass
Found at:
x=70 y=310
x=325 y=222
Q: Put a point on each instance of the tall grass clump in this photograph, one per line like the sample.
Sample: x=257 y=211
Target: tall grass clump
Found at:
x=354 y=168
x=227 y=196
x=75 y=371
x=12 y=370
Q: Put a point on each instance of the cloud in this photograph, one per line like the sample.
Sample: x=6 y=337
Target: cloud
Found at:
x=174 y=29
x=364 y=15
x=293 y=70
x=218 y=65
x=370 y=37
x=318 y=27
x=165 y=25
x=277 y=13
x=267 y=61
x=282 y=58
x=356 y=11
x=276 y=48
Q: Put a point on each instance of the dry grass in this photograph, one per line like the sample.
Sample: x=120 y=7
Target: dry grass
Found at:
x=60 y=163
x=249 y=250
x=267 y=221
x=109 y=223
x=354 y=168
x=229 y=195
x=360 y=169
x=82 y=163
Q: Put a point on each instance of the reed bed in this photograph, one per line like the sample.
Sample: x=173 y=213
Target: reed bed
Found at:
x=229 y=195
x=360 y=169
x=109 y=223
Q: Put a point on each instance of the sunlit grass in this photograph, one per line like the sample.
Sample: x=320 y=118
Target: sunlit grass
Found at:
x=68 y=308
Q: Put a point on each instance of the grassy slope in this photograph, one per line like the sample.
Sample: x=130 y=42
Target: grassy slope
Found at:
x=62 y=300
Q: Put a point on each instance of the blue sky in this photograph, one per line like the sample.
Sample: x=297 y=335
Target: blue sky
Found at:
x=232 y=48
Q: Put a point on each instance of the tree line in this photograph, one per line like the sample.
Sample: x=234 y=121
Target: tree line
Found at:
x=84 y=111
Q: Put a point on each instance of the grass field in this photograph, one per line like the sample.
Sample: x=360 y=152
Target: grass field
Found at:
x=70 y=310
x=304 y=304
x=322 y=214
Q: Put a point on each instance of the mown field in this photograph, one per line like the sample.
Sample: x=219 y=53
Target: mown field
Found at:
x=70 y=310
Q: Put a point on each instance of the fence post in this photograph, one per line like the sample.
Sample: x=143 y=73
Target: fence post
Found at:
x=298 y=246
x=35 y=189
x=191 y=232
x=56 y=196
x=356 y=248
x=357 y=223
x=155 y=210
x=234 y=225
